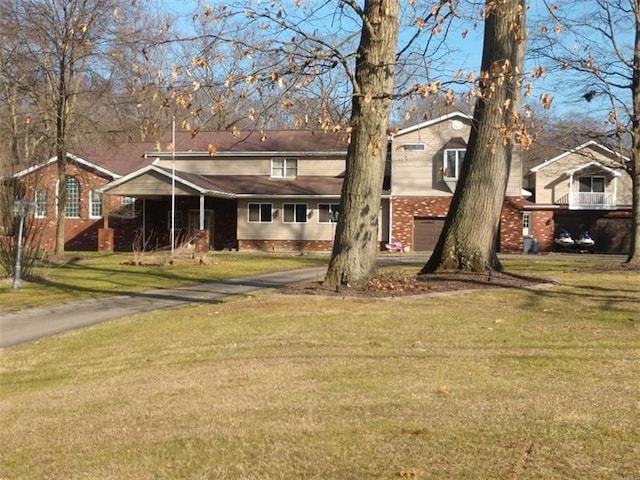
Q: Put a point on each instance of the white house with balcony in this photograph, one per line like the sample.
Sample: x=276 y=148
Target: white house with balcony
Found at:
x=583 y=189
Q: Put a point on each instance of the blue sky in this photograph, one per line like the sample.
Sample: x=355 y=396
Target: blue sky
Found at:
x=465 y=54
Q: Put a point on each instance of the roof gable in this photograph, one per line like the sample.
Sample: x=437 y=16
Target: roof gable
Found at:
x=592 y=144
x=195 y=182
x=429 y=123
x=598 y=165
x=71 y=157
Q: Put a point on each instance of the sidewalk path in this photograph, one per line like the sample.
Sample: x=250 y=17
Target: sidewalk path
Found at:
x=31 y=324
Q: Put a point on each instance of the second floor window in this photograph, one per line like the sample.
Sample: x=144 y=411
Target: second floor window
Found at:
x=72 y=208
x=284 y=167
x=295 y=212
x=452 y=164
x=95 y=204
x=41 y=203
x=592 y=184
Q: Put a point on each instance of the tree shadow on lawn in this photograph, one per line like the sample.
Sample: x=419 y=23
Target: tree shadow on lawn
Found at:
x=395 y=285
x=608 y=299
x=124 y=280
x=386 y=285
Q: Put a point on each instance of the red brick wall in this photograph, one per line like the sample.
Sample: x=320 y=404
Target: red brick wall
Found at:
x=511 y=225
x=80 y=233
x=286 y=245
x=405 y=209
x=542 y=229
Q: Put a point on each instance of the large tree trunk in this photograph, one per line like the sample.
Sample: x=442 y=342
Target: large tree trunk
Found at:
x=354 y=256
x=60 y=142
x=468 y=239
x=634 y=254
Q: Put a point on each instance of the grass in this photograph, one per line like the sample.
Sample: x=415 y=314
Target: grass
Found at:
x=536 y=384
x=83 y=275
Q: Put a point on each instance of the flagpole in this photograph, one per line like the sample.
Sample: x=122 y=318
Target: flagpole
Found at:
x=173 y=185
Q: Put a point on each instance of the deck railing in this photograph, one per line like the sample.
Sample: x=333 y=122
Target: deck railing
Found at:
x=592 y=199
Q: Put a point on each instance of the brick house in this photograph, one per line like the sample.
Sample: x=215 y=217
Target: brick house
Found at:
x=582 y=190
x=268 y=191
x=85 y=205
x=425 y=164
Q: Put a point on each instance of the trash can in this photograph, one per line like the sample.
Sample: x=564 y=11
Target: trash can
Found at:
x=529 y=245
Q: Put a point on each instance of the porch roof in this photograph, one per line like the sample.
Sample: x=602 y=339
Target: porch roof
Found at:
x=154 y=181
x=589 y=165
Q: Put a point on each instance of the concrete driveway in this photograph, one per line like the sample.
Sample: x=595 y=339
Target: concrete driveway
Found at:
x=33 y=323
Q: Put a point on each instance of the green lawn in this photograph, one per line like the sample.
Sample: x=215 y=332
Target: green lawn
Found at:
x=83 y=275
x=494 y=384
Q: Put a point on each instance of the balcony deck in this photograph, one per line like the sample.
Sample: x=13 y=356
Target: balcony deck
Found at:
x=589 y=201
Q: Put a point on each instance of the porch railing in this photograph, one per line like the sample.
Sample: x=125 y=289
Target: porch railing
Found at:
x=592 y=199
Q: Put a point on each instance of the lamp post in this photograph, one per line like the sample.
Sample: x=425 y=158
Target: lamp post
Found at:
x=21 y=208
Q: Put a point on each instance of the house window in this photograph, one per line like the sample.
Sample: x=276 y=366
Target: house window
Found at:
x=592 y=184
x=41 y=203
x=453 y=163
x=284 y=167
x=95 y=204
x=413 y=147
x=260 y=212
x=72 y=208
x=295 y=213
x=328 y=212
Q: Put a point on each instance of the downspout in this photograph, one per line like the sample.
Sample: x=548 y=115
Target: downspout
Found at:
x=390 y=234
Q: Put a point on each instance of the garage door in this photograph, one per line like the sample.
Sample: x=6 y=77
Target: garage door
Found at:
x=426 y=232
x=613 y=235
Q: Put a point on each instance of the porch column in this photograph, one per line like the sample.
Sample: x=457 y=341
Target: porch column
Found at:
x=201 y=212
x=144 y=221
x=615 y=190
x=571 y=189
x=202 y=235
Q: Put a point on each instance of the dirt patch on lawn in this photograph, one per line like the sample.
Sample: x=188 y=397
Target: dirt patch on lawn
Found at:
x=393 y=285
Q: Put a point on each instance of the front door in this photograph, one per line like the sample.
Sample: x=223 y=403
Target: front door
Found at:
x=194 y=224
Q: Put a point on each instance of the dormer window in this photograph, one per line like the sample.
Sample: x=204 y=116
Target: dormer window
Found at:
x=452 y=164
x=284 y=167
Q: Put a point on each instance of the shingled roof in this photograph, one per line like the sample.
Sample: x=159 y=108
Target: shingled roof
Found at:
x=124 y=158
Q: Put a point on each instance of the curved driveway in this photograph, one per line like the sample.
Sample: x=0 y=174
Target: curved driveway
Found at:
x=33 y=323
